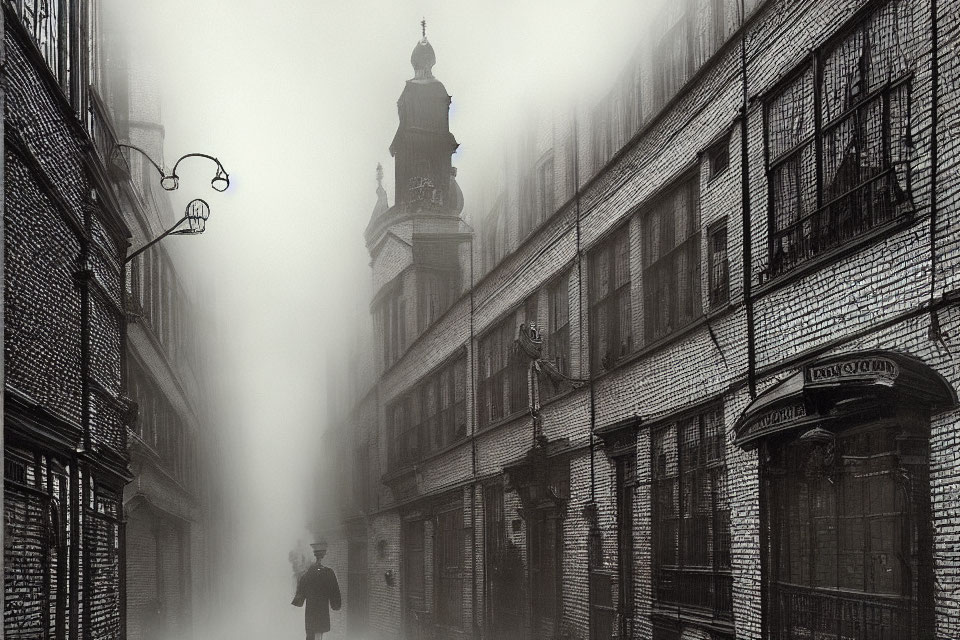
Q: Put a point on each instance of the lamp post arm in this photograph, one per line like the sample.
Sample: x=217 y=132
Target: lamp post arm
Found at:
x=197 y=155
x=156 y=166
x=155 y=240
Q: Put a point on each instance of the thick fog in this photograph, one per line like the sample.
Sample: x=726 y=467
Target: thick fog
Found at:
x=298 y=100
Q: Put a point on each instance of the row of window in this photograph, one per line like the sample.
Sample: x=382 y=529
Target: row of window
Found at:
x=160 y=426
x=152 y=286
x=837 y=135
x=431 y=416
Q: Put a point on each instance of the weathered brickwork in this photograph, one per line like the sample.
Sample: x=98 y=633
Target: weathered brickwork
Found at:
x=64 y=243
x=890 y=294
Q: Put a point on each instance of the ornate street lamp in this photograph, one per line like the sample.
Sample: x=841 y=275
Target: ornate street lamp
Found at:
x=170 y=181
x=193 y=222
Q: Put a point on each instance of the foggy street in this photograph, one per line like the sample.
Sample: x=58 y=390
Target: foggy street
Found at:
x=450 y=320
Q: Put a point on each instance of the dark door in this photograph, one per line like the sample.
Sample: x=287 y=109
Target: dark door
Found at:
x=543 y=537
x=357 y=608
x=412 y=579
x=504 y=570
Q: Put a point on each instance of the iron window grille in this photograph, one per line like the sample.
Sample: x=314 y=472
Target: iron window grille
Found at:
x=838 y=142
x=611 y=320
x=671 y=260
x=691 y=542
x=719 y=280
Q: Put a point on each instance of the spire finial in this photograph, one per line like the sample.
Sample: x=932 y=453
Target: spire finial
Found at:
x=379 y=175
x=423 y=27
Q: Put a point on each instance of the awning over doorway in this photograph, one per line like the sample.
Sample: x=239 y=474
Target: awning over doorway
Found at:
x=824 y=390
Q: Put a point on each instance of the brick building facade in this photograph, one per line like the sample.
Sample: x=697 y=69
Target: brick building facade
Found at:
x=165 y=502
x=694 y=375
x=64 y=410
x=96 y=354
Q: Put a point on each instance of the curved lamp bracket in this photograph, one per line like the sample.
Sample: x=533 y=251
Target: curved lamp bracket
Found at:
x=171 y=181
x=193 y=222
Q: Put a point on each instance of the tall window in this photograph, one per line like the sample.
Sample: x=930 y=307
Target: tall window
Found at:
x=600 y=134
x=545 y=189
x=671 y=260
x=558 y=334
x=673 y=54
x=719 y=282
x=448 y=558
x=690 y=507
x=611 y=332
x=435 y=291
x=838 y=136
x=494 y=237
x=405 y=435
x=46 y=21
x=502 y=383
x=392 y=325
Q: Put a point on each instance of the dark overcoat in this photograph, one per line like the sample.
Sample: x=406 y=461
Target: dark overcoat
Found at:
x=318 y=588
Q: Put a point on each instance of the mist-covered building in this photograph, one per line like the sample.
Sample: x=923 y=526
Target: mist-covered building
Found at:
x=65 y=413
x=699 y=379
x=166 y=503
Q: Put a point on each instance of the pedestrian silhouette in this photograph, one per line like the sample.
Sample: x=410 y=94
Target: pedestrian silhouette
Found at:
x=318 y=589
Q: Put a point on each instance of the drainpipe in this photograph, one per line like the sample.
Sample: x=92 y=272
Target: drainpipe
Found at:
x=745 y=197
x=934 y=161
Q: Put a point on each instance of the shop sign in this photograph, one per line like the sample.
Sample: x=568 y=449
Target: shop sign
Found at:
x=773 y=420
x=862 y=369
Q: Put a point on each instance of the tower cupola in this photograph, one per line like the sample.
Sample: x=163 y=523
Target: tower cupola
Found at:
x=423 y=143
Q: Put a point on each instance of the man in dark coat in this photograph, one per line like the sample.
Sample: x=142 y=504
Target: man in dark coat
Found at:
x=318 y=588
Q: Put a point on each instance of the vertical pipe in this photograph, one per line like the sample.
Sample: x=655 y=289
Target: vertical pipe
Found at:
x=473 y=454
x=745 y=197
x=934 y=157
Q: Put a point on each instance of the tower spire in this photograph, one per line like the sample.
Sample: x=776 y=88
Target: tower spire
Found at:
x=423 y=27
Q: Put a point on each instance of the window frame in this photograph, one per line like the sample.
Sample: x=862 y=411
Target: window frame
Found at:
x=718 y=293
x=681 y=311
x=816 y=235
x=498 y=383
x=617 y=298
x=558 y=335
x=673 y=486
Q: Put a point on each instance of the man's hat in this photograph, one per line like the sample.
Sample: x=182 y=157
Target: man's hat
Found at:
x=320 y=545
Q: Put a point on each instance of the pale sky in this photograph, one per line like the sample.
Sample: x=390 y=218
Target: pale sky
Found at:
x=298 y=100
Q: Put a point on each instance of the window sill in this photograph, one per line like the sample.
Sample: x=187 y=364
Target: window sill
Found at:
x=837 y=254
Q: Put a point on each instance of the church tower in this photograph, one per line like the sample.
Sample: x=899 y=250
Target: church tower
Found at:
x=423 y=143
x=418 y=252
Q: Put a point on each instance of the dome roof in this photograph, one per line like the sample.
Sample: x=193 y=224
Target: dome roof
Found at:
x=423 y=58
